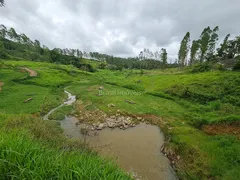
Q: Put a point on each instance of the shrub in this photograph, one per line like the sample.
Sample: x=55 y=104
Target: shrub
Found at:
x=202 y=67
x=236 y=67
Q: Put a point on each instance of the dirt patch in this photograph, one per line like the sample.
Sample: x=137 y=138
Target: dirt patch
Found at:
x=1 y=84
x=221 y=129
x=31 y=72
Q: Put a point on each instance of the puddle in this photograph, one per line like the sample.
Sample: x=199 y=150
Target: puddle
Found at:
x=135 y=149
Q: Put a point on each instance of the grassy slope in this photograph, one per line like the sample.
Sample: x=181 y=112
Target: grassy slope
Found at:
x=203 y=156
x=36 y=149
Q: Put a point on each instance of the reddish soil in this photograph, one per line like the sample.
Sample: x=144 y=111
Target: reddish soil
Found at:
x=220 y=129
x=1 y=84
x=31 y=72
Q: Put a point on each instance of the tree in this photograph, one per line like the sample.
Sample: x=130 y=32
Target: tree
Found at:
x=2 y=3
x=222 y=51
x=164 y=57
x=12 y=34
x=3 y=31
x=204 y=43
x=193 y=53
x=207 y=43
x=212 y=43
x=37 y=43
x=184 y=49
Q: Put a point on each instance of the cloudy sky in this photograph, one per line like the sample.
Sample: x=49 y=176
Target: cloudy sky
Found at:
x=119 y=27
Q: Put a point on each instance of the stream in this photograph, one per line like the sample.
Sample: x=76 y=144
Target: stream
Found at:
x=136 y=149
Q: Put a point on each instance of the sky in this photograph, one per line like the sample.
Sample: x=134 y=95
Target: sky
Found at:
x=119 y=27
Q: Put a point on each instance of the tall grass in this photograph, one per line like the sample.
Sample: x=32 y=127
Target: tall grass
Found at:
x=31 y=148
x=23 y=158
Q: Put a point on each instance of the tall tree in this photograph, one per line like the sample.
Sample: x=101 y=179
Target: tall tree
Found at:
x=3 y=31
x=207 y=43
x=204 y=42
x=12 y=34
x=222 y=51
x=194 y=51
x=184 y=49
x=212 y=43
x=164 y=57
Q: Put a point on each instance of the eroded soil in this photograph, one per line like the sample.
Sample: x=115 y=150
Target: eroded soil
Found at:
x=222 y=129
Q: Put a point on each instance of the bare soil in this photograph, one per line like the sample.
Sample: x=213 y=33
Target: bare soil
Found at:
x=221 y=129
x=1 y=84
x=31 y=72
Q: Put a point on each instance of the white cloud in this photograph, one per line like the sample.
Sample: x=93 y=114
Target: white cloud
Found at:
x=122 y=28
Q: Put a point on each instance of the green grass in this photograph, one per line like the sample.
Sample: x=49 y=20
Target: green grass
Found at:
x=60 y=113
x=35 y=149
x=183 y=100
x=203 y=156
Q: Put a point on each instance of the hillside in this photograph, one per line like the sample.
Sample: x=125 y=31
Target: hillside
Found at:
x=199 y=114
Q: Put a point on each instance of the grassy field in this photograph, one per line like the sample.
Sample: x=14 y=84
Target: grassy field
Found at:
x=202 y=156
x=187 y=104
x=35 y=149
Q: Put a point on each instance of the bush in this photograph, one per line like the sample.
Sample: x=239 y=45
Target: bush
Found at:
x=102 y=66
x=202 y=67
x=3 y=55
x=236 y=67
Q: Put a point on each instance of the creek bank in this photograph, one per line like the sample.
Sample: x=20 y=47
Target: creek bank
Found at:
x=71 y=99
x=137 y=149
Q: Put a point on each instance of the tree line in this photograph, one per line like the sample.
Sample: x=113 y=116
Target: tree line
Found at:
x=198 y=51
x=204 y=49
x=19 y=45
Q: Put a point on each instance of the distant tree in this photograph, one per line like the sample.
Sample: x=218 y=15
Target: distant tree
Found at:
x=3 y=31
x=54 y=55
x=2 y=3
x=164 y=57
x=204 y=43
x=37 y=43
x=212 y=43
x=207 y=43
x=184 y=49
x=12 y=34
x=222 y=51
x=193 y=53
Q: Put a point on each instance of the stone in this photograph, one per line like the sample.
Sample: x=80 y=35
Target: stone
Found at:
x=100 y=88
x=125 y=126
x=127 y=122
x=129 y=118
x=133 y=125
x=111 y=125
x=178 y=157
x=100 y=127
x=139 y=118
x=111 y=105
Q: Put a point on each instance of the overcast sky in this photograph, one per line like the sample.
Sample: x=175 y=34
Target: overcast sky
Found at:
x=119 y=27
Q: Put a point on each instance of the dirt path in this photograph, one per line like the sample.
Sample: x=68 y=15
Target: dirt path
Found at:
x=32 y=73
x=1 y=84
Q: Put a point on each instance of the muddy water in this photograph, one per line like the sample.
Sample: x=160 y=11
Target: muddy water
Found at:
x=135 y=149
